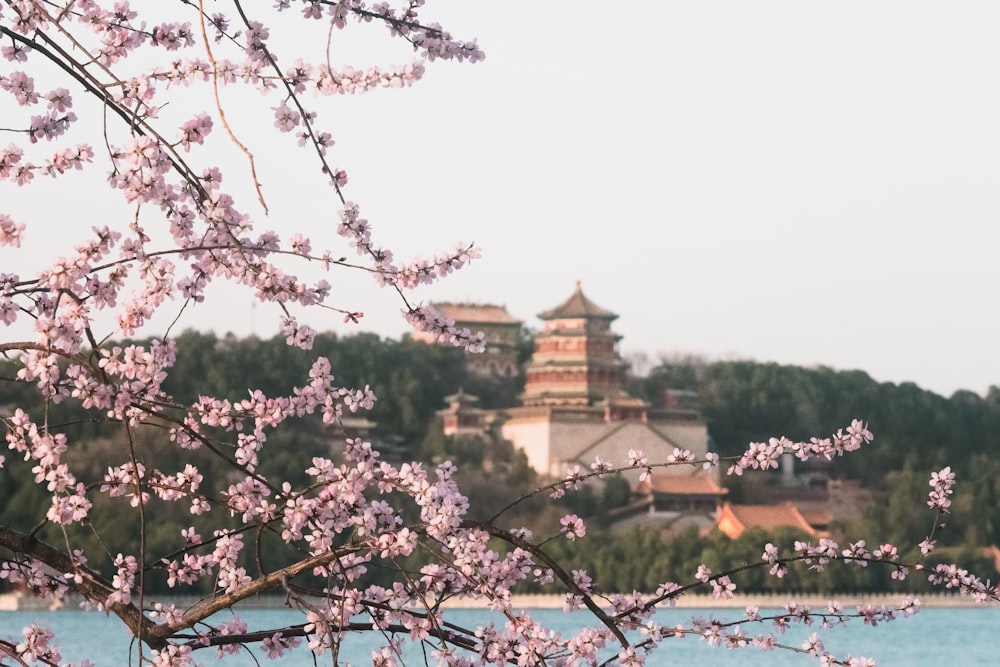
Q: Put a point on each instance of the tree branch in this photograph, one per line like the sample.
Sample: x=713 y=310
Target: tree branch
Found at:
x=91 y=585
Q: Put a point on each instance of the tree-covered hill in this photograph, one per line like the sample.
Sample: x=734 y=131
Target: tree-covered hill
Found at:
x=409 y=378
x=745 y=401
x=916 y=431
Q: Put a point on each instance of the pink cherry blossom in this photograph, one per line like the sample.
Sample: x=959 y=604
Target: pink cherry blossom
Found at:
x=161 y=87
x=572 y=526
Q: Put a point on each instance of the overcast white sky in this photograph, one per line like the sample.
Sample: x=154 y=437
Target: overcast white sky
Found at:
x=807 y=183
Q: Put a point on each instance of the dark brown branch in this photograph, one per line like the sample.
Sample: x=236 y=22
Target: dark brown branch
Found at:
x=454 y=638
x=55 y=54
x=92 y=585
x=206 y=608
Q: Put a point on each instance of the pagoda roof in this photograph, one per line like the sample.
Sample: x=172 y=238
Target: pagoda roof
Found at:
x=461 y=397
x=577 y=306
x=479 y=313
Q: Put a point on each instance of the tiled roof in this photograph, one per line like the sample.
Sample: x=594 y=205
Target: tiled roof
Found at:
x=695 y=485
x=576 y=306
x=737 y=518
x=479 y=313
x=817 y=516
x=461 y=396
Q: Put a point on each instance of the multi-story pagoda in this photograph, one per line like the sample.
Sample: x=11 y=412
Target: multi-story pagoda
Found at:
x=576 y=359
x=575 y=407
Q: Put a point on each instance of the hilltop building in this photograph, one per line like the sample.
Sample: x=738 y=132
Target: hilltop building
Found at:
x=502 y=335
x=575 y=407
x=576 y=358
x=463 y=418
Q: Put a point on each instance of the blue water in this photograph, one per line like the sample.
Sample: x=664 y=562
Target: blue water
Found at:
x=932 y=637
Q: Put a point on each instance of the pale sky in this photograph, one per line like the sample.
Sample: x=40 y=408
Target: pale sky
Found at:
x=806 y=183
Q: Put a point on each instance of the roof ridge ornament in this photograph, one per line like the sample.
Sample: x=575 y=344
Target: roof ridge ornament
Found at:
x=578 y=306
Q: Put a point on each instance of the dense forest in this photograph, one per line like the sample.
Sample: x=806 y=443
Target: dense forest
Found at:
x=916 y=432
x=746 y=401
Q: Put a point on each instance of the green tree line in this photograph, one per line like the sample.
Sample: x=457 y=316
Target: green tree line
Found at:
x=746 y=401
x=916 y=431
x=410 y=379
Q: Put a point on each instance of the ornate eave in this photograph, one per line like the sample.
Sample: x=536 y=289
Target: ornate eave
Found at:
x=578 y=306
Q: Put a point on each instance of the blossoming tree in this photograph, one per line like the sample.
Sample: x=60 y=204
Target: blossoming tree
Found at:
x=138 y=98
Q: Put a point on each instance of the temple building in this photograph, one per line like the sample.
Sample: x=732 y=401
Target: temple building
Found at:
x=576 y=358
x=689 y=494
x=672 y=502
x=575 y=407
x=463 y=418
x=502 y=335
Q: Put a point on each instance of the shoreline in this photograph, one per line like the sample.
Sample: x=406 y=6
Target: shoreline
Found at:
x=763 y=600
x=933 y=600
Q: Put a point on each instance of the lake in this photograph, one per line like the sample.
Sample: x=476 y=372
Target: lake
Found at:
x=931 y=637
